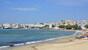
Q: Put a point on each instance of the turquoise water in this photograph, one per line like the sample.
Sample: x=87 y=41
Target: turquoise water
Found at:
x=13 y=36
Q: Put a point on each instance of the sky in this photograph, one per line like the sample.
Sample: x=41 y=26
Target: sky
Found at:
x=33 y=11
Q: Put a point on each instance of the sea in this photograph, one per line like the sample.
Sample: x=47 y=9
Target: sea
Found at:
x=27 y=36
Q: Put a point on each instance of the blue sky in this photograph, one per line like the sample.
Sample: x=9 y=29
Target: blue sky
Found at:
x=32 y=11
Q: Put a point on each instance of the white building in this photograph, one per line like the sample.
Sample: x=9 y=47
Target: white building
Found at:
x=35 y=25
x=14 y=26
x=7 y=25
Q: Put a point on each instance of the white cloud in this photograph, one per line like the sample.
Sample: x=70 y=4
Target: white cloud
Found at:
x=25 y=9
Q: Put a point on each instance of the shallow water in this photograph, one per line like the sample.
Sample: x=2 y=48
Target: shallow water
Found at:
x=15 y=36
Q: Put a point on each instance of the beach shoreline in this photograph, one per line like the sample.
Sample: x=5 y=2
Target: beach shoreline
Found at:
x=58 y=40
x=55 y=45
x=50 y=41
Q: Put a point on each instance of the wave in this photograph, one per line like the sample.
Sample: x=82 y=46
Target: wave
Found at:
x=4 y=46
x=26 y=43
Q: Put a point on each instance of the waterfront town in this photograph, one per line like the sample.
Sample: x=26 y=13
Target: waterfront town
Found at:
x=64 y=24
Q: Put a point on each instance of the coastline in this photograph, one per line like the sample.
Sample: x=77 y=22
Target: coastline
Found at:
x=59 y=40
x=51 y=40
x=55 y=45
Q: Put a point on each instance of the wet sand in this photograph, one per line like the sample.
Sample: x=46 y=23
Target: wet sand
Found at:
x=66 y=45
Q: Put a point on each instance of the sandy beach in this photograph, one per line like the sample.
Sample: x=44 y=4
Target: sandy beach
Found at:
x=71 y=45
